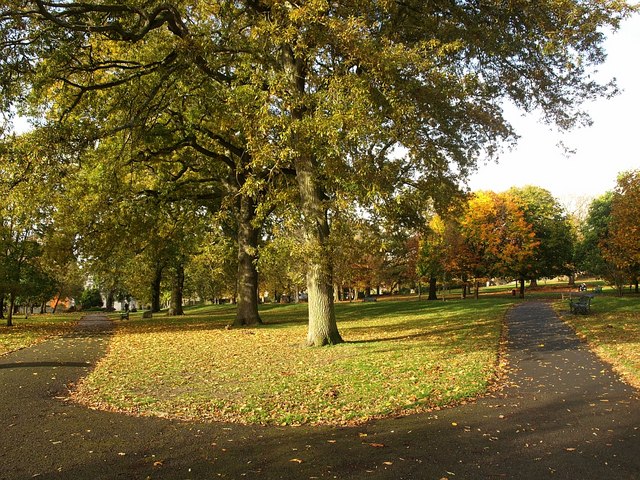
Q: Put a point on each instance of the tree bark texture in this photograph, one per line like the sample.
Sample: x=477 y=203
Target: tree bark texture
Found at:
x=176 y=292
x=322 y=328
x=247 y=295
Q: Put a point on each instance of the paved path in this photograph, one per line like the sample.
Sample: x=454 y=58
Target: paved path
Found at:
x=563 y=416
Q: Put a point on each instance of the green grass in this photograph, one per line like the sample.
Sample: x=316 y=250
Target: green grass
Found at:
x=612 y=330
x=37 y=328
x=399 y=357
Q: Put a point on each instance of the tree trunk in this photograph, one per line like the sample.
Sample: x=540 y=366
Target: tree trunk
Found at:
x=477 y=286
x=323 y=328
x=433 y=292
x=521 y=286
x=155 y=289
x=248 y=235
x=110 y=301
x=176 y=292
x=12 y=301
x=1 y=305
x=533 y=283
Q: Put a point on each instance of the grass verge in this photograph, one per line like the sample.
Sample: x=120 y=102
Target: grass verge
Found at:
x=612 y=330
x=399 y=357
x=35 y=329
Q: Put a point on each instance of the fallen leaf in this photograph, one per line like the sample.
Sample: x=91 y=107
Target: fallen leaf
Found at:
x=387 y=463
x=570 y=449
x=362 y=435
x=376 y=445
x=296 y=460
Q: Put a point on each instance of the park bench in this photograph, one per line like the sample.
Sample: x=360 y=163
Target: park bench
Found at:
x=124 y=315
x=581 y=305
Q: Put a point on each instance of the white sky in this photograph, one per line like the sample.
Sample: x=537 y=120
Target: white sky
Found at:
x=608 y=147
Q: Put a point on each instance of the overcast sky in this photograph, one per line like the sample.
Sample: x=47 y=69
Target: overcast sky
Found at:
x=609 y=146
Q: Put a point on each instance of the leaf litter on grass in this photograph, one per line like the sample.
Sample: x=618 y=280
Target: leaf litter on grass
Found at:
x=392 y=363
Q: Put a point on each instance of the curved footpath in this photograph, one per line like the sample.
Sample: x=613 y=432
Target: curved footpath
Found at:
x=564 y=415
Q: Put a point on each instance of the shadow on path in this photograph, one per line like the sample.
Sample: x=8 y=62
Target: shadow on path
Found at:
x=564 y=415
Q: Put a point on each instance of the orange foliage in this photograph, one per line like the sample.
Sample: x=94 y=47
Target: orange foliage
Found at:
x=498 y=236
x=622 y=247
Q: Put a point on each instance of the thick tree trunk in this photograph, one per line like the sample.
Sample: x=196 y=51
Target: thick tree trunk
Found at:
x=522 y=287
x=248 y=235
x=175 y=308
x=433 y=292
x=1 y=305
x=155 y=289
x=533 y=283
x=323 y=328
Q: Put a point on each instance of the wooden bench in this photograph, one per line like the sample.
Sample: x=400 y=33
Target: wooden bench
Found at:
x=124 y=315
x=581 y=305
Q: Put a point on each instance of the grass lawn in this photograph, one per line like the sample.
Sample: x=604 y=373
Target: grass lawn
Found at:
x=612 y=330
x=399 y=357
x=37 y=328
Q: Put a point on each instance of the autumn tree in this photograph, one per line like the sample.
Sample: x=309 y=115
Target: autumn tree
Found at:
x=622 y=245
x=554 y=254
x=500 y=239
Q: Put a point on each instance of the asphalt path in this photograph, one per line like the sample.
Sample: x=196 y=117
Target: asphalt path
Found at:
x=563 y=414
